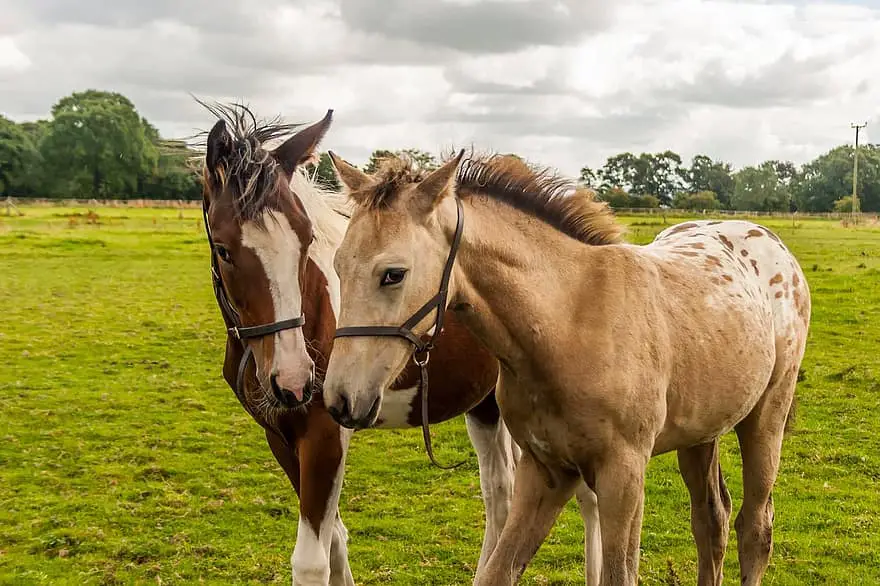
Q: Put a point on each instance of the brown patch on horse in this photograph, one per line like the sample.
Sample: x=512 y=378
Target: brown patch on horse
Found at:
x=682 y=228
x=777 y=278
x=755 y=266
x=744 y=252
x=778 y=294
x=713 y=261
x=727 y=278
x=698 y=245
x=458 y=362
x=726 y=241
x=753 y=234
x=795 y=280
x=714 y=222
x=686 y=252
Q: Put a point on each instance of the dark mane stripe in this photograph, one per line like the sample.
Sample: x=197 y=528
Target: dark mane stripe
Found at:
x=251 y=173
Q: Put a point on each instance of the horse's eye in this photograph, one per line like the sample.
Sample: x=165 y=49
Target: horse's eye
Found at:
x=392 y=277
x=223 y=253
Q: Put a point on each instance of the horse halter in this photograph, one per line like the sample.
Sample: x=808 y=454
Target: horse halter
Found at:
x=421 y=349
x=239 y=332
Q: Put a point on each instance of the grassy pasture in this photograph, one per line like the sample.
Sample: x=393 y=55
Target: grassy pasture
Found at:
x=124 y=458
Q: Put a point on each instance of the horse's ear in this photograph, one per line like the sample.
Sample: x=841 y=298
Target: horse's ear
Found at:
x=300 y=148
x=440 y=182
x=219 y=147
x=352 y=178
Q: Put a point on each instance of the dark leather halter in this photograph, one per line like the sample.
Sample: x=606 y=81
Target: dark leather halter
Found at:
x=239 y=332
x=421 y=348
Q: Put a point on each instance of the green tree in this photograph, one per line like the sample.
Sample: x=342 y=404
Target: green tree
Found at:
x=828 y=178
x=324 y=173
x=760 y=189
x=701 y=200
x=18 y=159
x=660 y=175
x=423 y=159
x=708 y=175
x=172 y=177
x=97 y=144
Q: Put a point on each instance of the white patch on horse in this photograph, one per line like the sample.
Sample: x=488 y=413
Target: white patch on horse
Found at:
x=311 y=559
x=397 y=405
x=278 y=248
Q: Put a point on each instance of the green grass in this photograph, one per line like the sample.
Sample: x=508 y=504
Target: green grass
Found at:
x=124 y=458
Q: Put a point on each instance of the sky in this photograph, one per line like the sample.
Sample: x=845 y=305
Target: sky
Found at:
x=564 y=83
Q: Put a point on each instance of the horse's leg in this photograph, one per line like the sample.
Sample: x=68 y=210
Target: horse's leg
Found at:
x=589 y=505
x=620 y=491
x=497 y=462
x=710 y=508
x=538 y=496
x=760 y=440
x=322 y=452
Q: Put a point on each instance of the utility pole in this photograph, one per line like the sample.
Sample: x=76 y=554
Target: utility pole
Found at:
x=855 y=181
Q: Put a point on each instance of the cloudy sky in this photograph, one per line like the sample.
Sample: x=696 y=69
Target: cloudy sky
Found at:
x=563 y=82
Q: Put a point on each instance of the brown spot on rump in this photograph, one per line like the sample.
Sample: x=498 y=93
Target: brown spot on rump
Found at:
x=698 y=245
x=682 y=228
x=726 y=241
x=727 y=278
x=777 y=278
x=686 y=252
x=755 y=266
x=771 y=234
x=713 y=261
x=744 y=252
x=778 y=294
x=753 y=233
x=714 y=222
x=795 y=280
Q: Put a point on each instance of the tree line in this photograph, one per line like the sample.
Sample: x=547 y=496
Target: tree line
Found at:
x=96 y=145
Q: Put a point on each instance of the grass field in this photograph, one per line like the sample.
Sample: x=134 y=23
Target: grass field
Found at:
x=124 y=457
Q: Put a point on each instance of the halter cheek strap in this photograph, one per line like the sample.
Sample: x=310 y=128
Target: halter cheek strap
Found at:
x=421 y=348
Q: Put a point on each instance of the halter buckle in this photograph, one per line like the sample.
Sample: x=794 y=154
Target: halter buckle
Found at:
x=421 y=363
x=234 y=331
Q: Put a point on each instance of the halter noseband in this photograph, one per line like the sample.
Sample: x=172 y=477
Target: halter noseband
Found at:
x=240 y=332
x=421 y=349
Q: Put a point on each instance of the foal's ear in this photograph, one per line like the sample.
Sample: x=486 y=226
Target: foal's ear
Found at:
x=219 y=145
x=440 y=182
x=300 y=148
x=352 y=178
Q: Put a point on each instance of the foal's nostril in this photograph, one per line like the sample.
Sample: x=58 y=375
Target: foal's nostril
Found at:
x=287 y=398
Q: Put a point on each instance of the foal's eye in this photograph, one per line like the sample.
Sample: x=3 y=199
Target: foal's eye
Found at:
x=392 y=277
x=223 y=253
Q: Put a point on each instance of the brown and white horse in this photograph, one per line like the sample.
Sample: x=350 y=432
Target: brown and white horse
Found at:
x=273 y=234
x=610 y=353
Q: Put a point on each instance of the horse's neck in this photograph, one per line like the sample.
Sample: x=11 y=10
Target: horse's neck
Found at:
x=324 y=210
x=516 y=277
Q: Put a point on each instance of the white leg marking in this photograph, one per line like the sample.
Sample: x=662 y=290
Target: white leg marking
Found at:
x=313 y=561
x=589 y=506
x=495 y=455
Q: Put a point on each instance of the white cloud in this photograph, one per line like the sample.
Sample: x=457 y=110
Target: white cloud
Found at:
x=563 y=82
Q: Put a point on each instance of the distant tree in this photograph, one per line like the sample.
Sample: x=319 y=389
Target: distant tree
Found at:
x=588 y=178
x=97 y=145
x=18 y=157
x=708 y=175
x=660 y=175
x=324 y=173
x=844 y=205
x=172 y=177
x=423 y=159
x=760 y=189
x=828 y=179
x=619 y=199
x=701 y=200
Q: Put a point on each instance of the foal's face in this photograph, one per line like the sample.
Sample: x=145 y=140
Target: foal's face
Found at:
x=262 y=262
x=261 y=236
x=389 y=264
